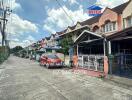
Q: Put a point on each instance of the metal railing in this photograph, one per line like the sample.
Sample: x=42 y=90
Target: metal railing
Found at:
x=91 y=62
x=124 y=61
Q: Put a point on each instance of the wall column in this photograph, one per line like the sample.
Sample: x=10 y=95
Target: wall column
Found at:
x=104 y=46
x=109 y=47
x=77 y=49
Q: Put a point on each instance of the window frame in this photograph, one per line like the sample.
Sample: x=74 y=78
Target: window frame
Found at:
x=110 y=27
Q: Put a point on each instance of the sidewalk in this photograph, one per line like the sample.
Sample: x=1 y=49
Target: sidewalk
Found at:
x=120 y=80
x=2 y=67
x=89 y=72
x=115 y=80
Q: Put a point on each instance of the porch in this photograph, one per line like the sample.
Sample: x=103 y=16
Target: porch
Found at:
x=121 y=50
x=90 y=49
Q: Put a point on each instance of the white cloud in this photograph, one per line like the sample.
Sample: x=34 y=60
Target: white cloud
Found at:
x=30 y=38
x=12 y=4
x=15 y=5
x=17 y=25
x=57 y=19
x=49 y=28
x=110 y=3
x=72 y=1
x=15 y=42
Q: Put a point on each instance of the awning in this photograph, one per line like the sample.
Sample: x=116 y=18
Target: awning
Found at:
x=84 y=34
x=123 y=34
x=77 y=29
x=53 y=48
x=89 y=41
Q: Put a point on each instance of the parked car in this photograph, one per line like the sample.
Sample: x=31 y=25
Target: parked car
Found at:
x=51 y=60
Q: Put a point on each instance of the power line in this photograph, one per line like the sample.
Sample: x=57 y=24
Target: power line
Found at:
x=64 y=11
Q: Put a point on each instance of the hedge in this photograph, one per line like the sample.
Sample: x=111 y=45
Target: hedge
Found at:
x=4 y=53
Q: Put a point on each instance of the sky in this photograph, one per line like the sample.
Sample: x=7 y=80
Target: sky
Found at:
x=32 y=20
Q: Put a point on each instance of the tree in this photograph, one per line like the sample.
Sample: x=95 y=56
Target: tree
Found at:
x=16 y=49
x=66 y=43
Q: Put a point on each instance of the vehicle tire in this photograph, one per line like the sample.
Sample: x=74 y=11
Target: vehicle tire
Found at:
x=40 y=64
x=47 y=66
x=44 y=65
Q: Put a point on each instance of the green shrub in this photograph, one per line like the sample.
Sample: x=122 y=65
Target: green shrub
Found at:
x=4 y=54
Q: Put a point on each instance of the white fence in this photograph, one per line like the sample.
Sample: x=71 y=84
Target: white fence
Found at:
x=91 y=62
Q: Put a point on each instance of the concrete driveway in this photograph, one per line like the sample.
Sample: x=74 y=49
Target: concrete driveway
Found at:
x=22 y=79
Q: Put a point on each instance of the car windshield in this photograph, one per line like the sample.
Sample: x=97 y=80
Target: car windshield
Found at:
x=52 y=56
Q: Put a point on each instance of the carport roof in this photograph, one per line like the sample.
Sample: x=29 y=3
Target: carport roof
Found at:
x=85 y=32
x=121 y=34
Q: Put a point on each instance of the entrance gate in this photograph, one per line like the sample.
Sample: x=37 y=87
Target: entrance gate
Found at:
x=91 y=62
x=122 y=64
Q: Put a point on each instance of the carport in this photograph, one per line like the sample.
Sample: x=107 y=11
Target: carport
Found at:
x=120 y=46
x=90 y=49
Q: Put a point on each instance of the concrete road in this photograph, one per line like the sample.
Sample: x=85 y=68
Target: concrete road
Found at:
x=22 y=79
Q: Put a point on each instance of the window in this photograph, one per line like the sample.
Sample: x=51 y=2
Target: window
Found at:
x=52 y=56
x=124 y=25
x=129 y=21
x=103 y=29
x=114 y=25
x=109 y=27
x=96 y=29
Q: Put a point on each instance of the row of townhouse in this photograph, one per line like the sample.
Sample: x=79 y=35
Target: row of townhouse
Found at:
x=50 y=43
x=98 y=37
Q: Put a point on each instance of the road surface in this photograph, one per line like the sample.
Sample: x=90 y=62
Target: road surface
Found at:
x=22 y=79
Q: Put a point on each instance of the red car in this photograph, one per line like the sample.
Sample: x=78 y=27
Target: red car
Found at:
x=51 y=60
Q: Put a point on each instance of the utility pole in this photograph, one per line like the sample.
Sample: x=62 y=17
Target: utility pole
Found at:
x=3 y=27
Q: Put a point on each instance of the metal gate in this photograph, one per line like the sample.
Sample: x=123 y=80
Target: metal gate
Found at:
x=91 y=62
x=122 y=64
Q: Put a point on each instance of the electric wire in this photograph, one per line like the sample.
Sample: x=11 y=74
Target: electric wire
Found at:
x=64 y=11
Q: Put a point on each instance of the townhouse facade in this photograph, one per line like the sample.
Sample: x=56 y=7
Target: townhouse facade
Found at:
x=127 y=16
x=90 y=36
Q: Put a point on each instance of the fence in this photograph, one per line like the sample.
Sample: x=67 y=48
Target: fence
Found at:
x=122 y=64
x=4 y=53
x=91 y=62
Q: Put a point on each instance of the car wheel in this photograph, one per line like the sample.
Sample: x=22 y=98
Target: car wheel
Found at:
x=47 y=66
x=40 y=64
x=44 y=64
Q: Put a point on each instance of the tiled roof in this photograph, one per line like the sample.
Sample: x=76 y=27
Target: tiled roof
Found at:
x=119 y=9
x=47 y=38
x=72 y=27
x=90 y=21
x=59 y=33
